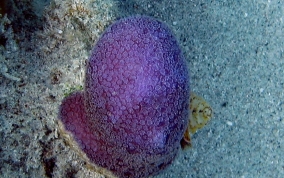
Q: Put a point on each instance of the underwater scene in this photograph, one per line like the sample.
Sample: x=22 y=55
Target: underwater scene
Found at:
x=141 y=88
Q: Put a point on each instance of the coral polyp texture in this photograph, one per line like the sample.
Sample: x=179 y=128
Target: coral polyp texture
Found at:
x=133 y=112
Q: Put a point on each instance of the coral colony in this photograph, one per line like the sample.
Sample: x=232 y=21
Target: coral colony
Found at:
x=133 y=112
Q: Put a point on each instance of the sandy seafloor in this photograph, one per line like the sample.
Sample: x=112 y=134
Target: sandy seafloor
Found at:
x=235 y=51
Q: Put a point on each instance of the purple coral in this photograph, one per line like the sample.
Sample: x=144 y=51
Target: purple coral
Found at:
x=134 y=110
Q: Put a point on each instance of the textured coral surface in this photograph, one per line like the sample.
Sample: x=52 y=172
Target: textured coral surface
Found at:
x=133 y=112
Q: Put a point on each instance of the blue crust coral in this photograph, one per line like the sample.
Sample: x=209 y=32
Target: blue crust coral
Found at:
x=134 y=110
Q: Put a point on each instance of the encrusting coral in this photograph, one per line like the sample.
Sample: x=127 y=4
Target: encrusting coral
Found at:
x=134 y=110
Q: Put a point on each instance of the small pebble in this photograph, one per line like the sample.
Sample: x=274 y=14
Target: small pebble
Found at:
x=229 y=123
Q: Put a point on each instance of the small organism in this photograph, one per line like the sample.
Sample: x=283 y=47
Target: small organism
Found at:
x=200 y=114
